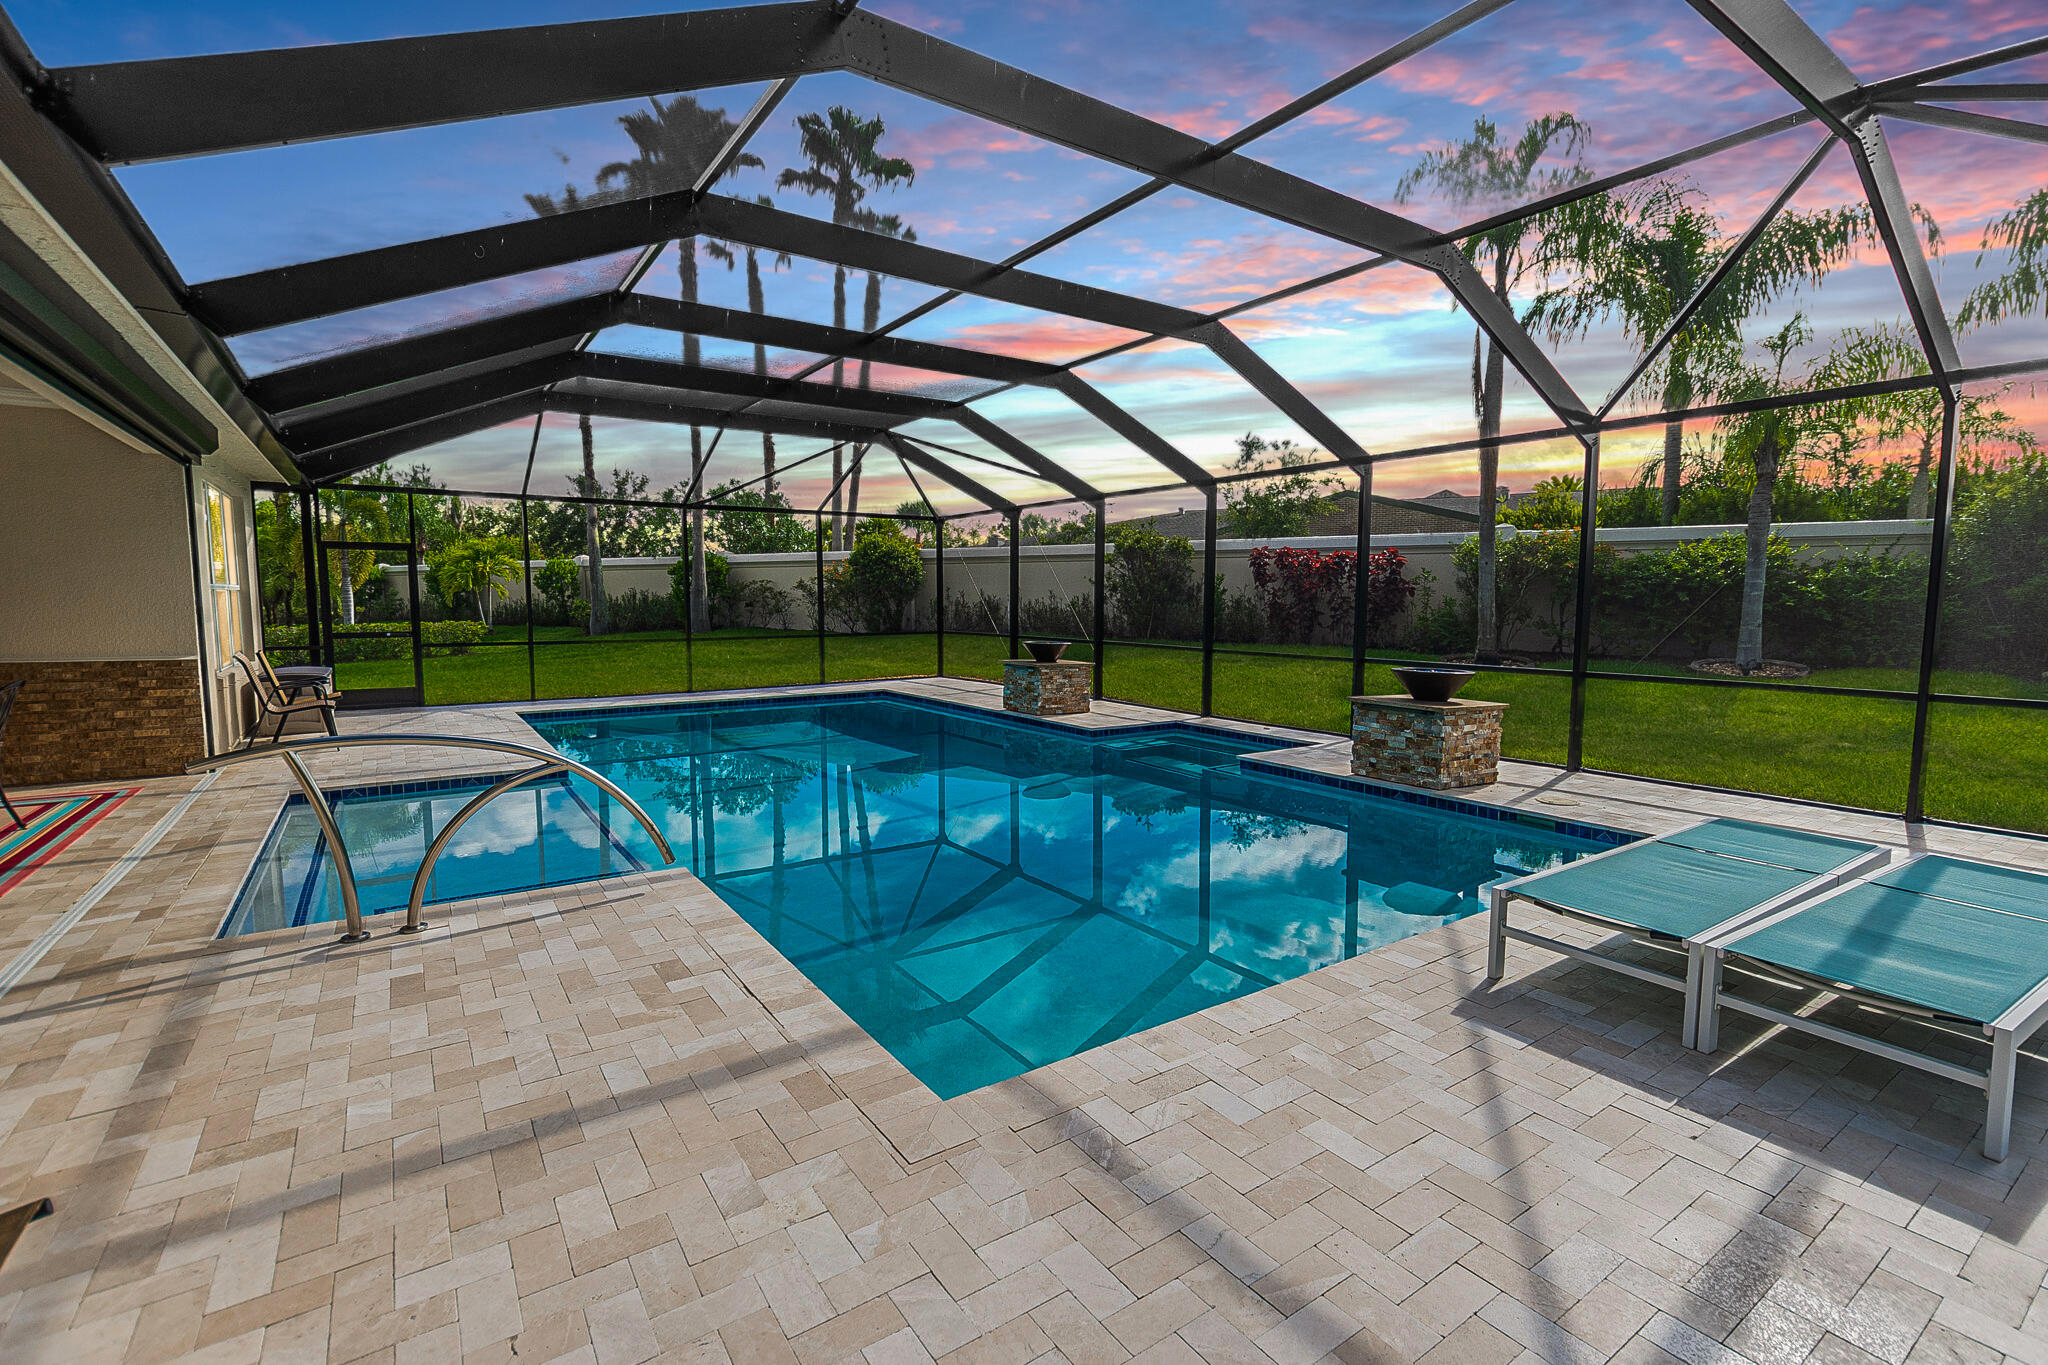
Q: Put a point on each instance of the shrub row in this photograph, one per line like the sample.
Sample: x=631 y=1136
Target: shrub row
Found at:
x=448 y=637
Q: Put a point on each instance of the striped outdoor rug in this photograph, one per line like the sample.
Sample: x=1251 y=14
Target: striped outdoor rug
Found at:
x=51 y=824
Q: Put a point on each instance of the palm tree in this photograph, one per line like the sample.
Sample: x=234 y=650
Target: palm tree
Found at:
x=885 y=225
x=362 y=515
x=2022 y=231
x=593 y=542
x=280 y=555
x=1760 y=441
x=757 y=305
x=676 y=141
x=1892 y=351
x=1484 y=171
x=477 y=565
x=842 y=150
x=1641 y=255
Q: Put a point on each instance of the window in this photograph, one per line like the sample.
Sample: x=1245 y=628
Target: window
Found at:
x=224 y=576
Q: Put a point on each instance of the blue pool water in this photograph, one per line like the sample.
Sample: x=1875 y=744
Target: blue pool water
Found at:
x=985 y=896
x=544 y=835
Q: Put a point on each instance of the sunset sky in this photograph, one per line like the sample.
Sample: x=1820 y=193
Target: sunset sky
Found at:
x=1383 y=352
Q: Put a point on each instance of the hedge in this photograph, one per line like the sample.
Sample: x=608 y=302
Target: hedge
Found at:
x=450 y=637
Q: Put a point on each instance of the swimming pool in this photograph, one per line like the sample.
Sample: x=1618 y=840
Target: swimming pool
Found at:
x=548 y=834
x=985 y=895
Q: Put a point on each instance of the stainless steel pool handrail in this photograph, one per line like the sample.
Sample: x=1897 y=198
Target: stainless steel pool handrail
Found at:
x=549 y=764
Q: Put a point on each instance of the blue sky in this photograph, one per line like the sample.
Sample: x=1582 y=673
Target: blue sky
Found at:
x=1383 y=352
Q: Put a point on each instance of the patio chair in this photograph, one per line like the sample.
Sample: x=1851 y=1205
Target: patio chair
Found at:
x=7 y=696
x=1671 y=892
x=1959 y=945
x=271 y=700
x=297 y=679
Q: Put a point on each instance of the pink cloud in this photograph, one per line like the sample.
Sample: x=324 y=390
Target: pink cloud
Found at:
x=960 y=142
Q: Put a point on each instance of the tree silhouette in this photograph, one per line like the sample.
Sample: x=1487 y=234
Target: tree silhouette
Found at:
x=1483 y=171
x=1892 y=351
x=1759 y=442
x=757 y=305
x=1643 y=254
x=884 y=225
x=843 y=162
x=2023 y=288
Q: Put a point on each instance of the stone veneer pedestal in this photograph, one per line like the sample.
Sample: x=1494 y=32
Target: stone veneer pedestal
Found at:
x=1437 y=745
x=1056 y=689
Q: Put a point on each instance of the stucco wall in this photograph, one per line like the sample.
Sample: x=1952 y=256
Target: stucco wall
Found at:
x=96 y=612
x=94 y=555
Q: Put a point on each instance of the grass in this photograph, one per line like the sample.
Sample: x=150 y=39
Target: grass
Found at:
x=1984 y=762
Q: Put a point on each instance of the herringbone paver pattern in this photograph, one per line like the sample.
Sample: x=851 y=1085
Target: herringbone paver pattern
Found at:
x=608 y=1124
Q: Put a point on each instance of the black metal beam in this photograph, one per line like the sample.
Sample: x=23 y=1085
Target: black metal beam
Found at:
x=338 y=462
x=1965 y=121
x=648 y=310
x=372 y=367
x=354 y=88
x=937 y=468
x=1974 y=92
x=361 y=279
x=1774 y=36
x=682 y=414
x=1722 y=269
x=1960 y=66
x=1894 y=215
x=1274 y=388
x=83 y=199
x=319 y=430
x=394 y=362
x=1086 y=397
x=195 y=106
x=334 y=424
x=1023 y=454
x=624 y=369
x=1771 y=34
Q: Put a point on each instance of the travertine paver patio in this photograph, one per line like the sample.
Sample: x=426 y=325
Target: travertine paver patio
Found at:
x=608 y=1123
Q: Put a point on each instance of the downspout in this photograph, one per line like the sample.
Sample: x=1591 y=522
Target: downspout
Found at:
x=199 y=609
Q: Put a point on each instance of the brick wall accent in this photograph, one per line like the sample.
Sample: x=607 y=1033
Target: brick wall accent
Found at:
x=96 y=720
x=1434 y=745
x=1038 y=689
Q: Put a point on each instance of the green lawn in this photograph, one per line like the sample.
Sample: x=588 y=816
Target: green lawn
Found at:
x=1984 y=762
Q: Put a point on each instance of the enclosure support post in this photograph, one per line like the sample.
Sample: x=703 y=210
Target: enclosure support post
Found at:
x=526 y=569
x=1101 y=598
x=308 y=509
x=1930 y=626
x=1016 y=631
x=1208 y=598
x=820 y=519
x=1582 y=617
x=412 y=586
x=1361 y=596
x=939 y=586
x=689 y=615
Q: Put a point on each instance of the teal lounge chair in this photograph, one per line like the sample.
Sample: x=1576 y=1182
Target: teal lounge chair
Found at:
x=1672 y=891
x=1950 y=941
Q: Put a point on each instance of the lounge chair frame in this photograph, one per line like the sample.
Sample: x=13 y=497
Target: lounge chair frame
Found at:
x=1502 y=894
x=2005 y=1033
x=270 y=701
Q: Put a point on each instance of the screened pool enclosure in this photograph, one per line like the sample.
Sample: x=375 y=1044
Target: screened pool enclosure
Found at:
x=797 y=343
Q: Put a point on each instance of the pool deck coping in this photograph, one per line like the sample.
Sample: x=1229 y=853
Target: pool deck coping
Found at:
x=1088 y=1102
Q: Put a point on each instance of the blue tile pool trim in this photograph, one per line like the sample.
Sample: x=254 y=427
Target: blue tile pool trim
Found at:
x=1481 y=810
x=421 y=786
x=1251 y=766
x=938 y=704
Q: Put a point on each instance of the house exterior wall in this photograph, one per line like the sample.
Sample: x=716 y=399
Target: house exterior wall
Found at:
x=99 y=614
